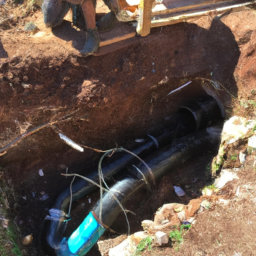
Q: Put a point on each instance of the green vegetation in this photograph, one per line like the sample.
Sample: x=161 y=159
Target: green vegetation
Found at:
x=8 y=245
x=234 y=157
x=218 y=161
x=8 y=229
x=176 y=236
x=247 y=103
x=210 y=187
x=144 y=243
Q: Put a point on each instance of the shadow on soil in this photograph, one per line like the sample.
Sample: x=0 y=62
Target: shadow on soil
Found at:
x=3 y=53
x=66 y=32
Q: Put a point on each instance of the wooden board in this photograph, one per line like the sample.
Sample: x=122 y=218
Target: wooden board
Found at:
x=144 y=22
x=173 y=16
x=116 y=46
x=122 y=31
x=179 y=6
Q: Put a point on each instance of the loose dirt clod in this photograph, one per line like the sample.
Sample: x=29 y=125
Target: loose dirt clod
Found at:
x=27 y=240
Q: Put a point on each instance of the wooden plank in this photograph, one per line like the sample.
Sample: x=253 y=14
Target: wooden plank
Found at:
x=185 y=17
x=184 y=4
x=170 y=6
x=117 y=39
x=120 y=32
x=116 y=46
x=144 y=22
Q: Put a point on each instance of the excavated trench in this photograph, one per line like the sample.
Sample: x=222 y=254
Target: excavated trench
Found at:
x=102 y=102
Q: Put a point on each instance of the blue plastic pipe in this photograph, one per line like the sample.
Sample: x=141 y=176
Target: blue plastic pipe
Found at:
x=83 y=238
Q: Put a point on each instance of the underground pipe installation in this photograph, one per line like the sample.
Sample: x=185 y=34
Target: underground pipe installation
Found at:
x=188 y=134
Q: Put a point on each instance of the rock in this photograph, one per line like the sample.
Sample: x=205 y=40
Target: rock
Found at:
x=26 y=86
x=235 y=128
x=138 y=236
x=147 y=225
x=126 y=248
x=179 y=191
x=206 y=204
x=181 y=215
x=30 y=26
x=252 y=142
x=161 y=238
x=27 y=240
x=170 y=215
x=106 y=245
x=193 y=207
x=242 y=157
x=224 y=178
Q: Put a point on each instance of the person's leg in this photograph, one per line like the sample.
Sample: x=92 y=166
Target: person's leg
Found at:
x=92 y=35
x=88 y=9
x=109 y=20
x=54 y=12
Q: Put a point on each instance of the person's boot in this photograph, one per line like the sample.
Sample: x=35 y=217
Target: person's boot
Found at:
x=92 y=42
x=107 y=21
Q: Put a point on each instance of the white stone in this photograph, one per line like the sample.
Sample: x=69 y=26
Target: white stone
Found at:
x=121 y=249
x=207 y=192
x=242 y=157
x=161 y=238
x=235 y=128
x=252 y=142
x=138 y=236
x=147 y=224
x=128 y=246
x=224 y=178
x=206 y=205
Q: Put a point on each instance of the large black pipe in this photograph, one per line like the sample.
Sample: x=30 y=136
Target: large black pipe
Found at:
x=81 y=188
x=164 y=160
x=161 y=162
x=122 y=190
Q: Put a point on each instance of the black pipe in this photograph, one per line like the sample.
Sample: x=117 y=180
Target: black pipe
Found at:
x=161 y=162
x=203 y=111
x=164 y=160
x=122 y=190
x=81 y=187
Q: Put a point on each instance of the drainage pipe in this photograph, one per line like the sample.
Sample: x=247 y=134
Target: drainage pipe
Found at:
x=81 y=187
x=56 y=229
x=88 y=233
x=161 y=163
